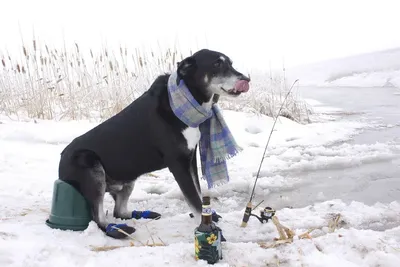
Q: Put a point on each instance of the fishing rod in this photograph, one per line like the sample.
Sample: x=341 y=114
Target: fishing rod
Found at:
x=249 y=206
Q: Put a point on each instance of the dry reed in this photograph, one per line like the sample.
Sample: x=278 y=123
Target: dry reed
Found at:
x=74 y=84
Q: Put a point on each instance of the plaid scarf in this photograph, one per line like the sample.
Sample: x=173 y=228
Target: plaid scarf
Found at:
x=216 y=142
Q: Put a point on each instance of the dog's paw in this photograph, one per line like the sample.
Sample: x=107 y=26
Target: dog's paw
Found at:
x=146 y=214
x=222 y=236
x=112 y=230
x=215 y=216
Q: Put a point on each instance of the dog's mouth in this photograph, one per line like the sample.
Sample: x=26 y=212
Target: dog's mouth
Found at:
x=241 y=86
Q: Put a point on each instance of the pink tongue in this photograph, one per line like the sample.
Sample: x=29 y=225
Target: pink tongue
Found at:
x=242 y=86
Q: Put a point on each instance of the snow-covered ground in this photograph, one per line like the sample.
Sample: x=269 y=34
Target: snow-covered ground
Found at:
x=375 y=69
x=368 y=235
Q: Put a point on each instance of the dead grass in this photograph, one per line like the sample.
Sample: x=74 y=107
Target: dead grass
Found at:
x=153 y=243
x=71 y=83
x=267 y=95
x=286 y=235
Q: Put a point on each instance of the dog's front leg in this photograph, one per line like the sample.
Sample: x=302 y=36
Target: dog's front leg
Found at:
x=182 y=169
x=194 y=171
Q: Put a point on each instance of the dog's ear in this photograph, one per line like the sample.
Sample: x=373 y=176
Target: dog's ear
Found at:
x=186 y=66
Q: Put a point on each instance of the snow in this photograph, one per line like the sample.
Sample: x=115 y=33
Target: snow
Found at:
x=389 y=78
x=376 y=69
x=368 y=235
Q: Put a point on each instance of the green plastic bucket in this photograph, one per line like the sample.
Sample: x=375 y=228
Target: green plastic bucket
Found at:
x=69 y=209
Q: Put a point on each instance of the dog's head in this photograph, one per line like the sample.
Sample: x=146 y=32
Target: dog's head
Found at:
x=207 y=73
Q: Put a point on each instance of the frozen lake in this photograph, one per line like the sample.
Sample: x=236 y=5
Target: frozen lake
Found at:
x=369 y=182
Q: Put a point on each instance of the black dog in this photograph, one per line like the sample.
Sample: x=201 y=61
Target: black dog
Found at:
x=146 y=136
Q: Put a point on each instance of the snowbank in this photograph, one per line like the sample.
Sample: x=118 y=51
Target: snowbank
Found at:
x=368 y=235
x=375 y=69
x=369 y=79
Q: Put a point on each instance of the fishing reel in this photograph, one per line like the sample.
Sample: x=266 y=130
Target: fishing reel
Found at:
x=265 y=215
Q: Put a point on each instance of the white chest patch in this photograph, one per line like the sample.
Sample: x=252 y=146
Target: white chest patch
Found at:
x=192 y=136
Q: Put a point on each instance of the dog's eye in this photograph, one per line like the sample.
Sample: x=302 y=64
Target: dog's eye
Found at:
x=218 y=63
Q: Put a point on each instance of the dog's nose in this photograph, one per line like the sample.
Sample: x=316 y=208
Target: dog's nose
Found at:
x=245 y=78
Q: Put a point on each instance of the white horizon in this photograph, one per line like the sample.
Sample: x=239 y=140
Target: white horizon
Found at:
x=257 y=35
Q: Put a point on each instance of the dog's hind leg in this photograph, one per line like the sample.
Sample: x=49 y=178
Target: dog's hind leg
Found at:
x=121 y=205
x=93 y=187
x=121 y=201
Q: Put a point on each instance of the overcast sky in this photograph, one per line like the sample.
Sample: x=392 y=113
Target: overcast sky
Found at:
x=251 y=32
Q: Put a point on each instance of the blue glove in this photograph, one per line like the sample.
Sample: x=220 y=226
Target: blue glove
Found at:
x=113 y=232
x=146 y=214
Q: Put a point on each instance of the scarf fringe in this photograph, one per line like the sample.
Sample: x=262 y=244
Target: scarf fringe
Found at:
x=214 y=184
x=237 y=150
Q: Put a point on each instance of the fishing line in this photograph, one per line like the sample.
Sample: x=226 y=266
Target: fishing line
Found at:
x=247 y=212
